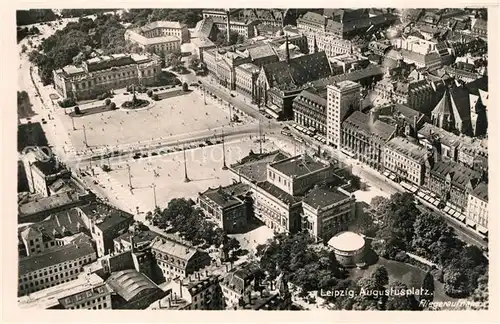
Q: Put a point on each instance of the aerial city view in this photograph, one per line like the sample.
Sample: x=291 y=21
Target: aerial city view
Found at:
x=252 y=159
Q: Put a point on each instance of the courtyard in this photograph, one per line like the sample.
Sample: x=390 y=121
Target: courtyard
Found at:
x=167 y=117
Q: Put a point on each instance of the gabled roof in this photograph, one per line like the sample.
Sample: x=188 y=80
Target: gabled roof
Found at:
x=298 y=72
x=55 y=255
x=170 y=247
x=443 y=108
x=459 y=174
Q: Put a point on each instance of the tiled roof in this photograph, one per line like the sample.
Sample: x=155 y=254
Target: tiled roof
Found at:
x=299 y=71
x=460 y=174
x=481 y=191
x=407 y=148
x=314 y=18
x=361 y=122
x=81 y=297
x=55 y=256
x=370 y=71
x=321 y=197
x=278 y=193
x=313 y=97
x=179 y=250
x=109 y=215
x=298 y=166
x=61 y=224
x=260 y=51
x=443 y=108
x=240 y=278
x=47 y=203
x=227 y=196
x=129 y=283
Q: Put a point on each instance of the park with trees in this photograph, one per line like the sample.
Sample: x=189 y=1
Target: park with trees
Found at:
x=183 y=217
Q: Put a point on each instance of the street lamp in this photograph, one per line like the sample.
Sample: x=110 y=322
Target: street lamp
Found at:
x=154 y=195
x=224 y=166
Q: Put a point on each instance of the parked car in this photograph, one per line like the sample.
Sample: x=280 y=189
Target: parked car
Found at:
x=201 y=145
x=145 y=155
x=162 y=152
x=286 y=132
x=208 y=142
x=154 y=154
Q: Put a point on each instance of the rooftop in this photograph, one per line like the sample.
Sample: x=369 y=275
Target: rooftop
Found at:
x=407 y=148
x=106 y=216
x=162 y=24
x=298 y=166
x=46 y=203
x=254 y=166
x=239 y=278
x=58 y=225
x=362 y=123
x=130 y=283
x=278 y=193
x=53 y=296
x=481 y=191
x=135 y=36
x=249 y=67
x=370 y=71
x=55 y=256
x=170 y=247
x=49 y=167
x=460 y=175
x=322 y=197
x=347 y=242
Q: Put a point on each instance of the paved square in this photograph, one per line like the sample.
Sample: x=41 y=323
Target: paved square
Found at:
x=204 y=168
x=168 y=117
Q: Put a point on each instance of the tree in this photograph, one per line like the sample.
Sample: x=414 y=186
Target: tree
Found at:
x=480 y=294
x=185 y=87
x=77 y=110
x=399 y=299
x=150 y=93
x=155 y=97
x=172 y=59
x=455 y=283
x=112 y=106
x=380 y=276
x=107 y=101
x=428 y=287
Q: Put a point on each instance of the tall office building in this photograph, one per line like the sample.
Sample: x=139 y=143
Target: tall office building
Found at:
x=342 y=99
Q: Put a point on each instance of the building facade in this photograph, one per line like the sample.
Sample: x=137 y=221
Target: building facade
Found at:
x=406 y=160
x=326 y=212
x=228 y=206
x=364 y=138
x=246 y=77
x=342 y=98
x=165 y=28
x=55 y=266
x=309 y=110
x=100 y=74
x=477 y=208
x=157 y=45
x=175 y=259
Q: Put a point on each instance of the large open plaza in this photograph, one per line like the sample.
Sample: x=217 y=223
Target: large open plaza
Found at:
x=168 y=117
x=166 y=172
